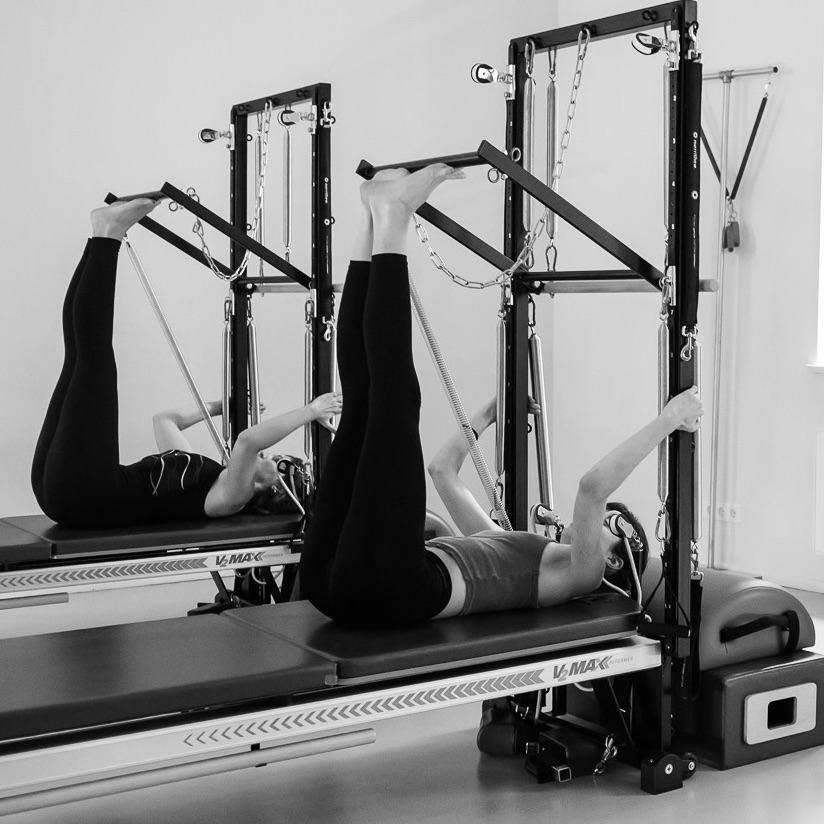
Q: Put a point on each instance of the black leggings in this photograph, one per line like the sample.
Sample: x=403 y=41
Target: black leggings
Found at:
x=76 y=474
x=364 y=560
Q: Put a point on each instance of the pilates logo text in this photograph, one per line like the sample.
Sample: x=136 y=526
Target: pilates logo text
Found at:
x=238 y=558
x=588 y=665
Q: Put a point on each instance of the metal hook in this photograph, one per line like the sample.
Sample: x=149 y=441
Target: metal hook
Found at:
x=662 y=526
x=551 y=251
x=553 y=55
x=531 y=320
x=529 y=54
x=687 y=350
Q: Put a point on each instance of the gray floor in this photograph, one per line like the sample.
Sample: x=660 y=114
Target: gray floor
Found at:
x=426 y=768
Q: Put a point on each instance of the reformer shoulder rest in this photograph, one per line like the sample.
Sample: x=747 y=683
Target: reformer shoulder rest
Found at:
x=87 y=678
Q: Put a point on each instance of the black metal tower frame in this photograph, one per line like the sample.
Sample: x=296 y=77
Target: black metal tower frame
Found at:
x=318 y=285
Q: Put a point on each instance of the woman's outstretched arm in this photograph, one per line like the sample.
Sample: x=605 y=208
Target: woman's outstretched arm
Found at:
x=445 y=467
x=169 y=425
x=236 y=486
x=600 y=483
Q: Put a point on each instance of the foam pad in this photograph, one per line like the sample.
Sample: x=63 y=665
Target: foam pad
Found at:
x=206 y=532
x=731 y=599
x=18 y=546
x=82 y=678
x=364 y=654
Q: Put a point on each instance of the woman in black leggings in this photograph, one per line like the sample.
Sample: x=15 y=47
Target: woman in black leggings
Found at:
x=364 y=561
x=77 y=476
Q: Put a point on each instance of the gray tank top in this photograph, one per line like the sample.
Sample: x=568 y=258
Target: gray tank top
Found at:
x=500 y=568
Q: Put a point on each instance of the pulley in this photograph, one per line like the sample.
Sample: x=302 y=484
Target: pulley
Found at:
x=484 y=73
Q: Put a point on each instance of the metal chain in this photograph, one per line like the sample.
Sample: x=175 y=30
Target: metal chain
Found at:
x=197 y=228
x=538 y=227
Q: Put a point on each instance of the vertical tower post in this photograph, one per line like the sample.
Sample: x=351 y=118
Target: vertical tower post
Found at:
x=238 y=408
x=516 y=465
x=323 y=361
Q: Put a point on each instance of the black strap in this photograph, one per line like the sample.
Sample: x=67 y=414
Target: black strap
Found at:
x=787 y=621
x=749 y=146
x=732 y=195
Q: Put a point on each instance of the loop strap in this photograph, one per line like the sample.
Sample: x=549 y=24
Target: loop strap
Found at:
x=787 y=621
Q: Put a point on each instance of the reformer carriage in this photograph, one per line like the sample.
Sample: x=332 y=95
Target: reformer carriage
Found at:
x=191 y=696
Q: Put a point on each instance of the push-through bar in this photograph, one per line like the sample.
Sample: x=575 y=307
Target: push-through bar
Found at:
x=241 y=238
x=567 y=212
x=457 y=161
x=487 y=154
x=437 y=218
x=170 y=237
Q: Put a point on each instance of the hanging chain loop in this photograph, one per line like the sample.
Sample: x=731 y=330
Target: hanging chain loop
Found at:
x=198 y=229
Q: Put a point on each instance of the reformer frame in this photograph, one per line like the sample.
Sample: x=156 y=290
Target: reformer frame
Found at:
x=683 y=140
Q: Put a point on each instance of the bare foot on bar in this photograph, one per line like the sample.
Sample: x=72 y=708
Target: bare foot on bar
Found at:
x=401 y=193
x=115 y=220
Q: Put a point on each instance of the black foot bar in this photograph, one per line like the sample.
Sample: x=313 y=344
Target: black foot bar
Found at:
x=458 y=161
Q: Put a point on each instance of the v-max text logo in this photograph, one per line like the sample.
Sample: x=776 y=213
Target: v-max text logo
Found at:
x=563 y=671
x=239 y=558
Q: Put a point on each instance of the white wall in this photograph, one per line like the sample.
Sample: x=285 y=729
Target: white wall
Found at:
x=772 y=403
x=103 y=96
x=109 y=95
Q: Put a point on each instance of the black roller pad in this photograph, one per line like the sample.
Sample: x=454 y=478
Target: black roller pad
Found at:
x=20 y=547
x=366 y=653
x=83 y=678
x=206 y=532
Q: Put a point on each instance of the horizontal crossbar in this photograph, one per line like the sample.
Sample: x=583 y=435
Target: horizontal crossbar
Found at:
x=606 y=27
x=295 y=97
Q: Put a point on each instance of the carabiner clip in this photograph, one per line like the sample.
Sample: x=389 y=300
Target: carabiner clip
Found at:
x=662 y=526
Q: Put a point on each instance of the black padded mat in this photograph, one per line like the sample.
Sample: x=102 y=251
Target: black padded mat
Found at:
x=20 y=547
x=500 y=636
x=206 y=532
x=68 y=680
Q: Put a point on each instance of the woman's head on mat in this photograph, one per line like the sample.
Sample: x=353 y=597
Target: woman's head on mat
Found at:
x=628 y=547
x=621 y=527
x=266 y=472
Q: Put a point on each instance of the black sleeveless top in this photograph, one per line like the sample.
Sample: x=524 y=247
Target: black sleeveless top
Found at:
x=173 y=485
